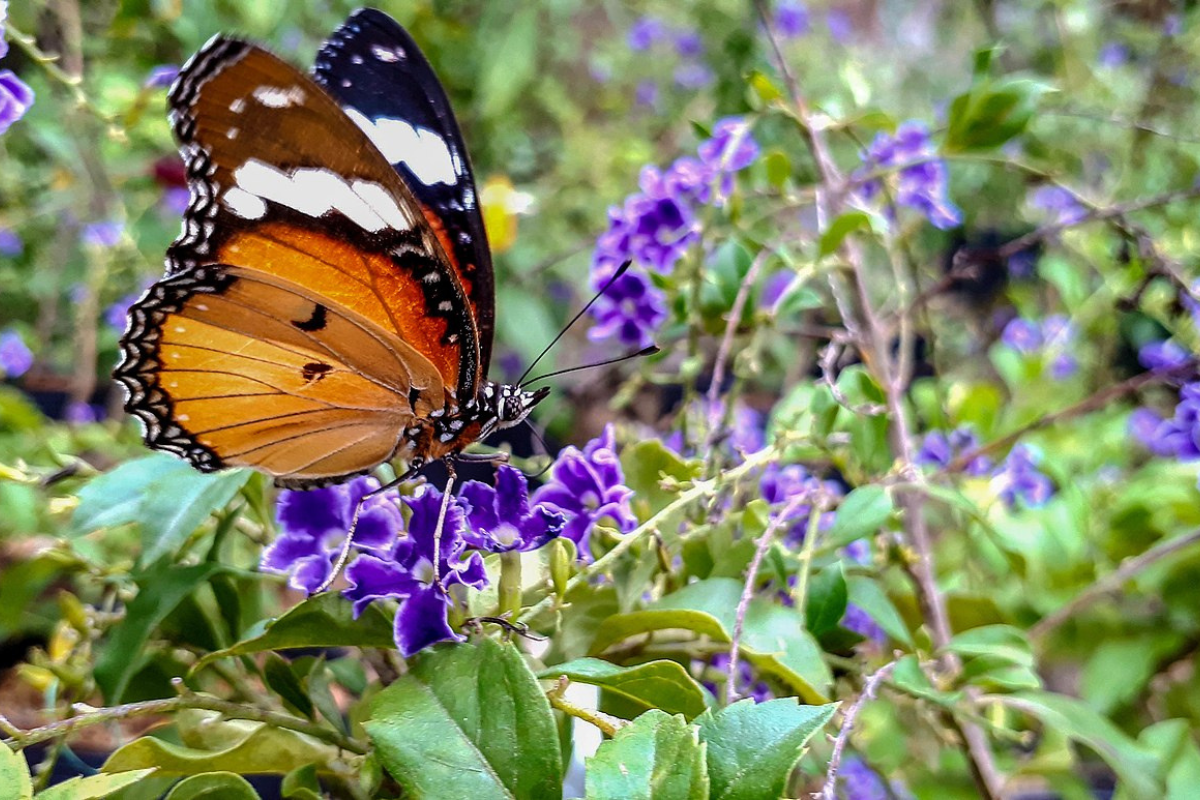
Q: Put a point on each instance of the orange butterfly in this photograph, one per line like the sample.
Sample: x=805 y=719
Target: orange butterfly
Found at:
x=329 y=303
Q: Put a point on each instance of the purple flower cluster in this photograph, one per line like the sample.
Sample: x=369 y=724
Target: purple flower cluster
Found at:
x=15 y=98
x=587 y=486
x=857 y=781
x=939 y=449
x=1063 y=206
x=116 y=314
x=1163 y=356
x=692 y=73
x=398 y=562
x=746 y=432
x=746 y=684
x=857 y=620
x=917 y=176
x=791 y=19
x=1019 y=480
x=11 y=244
x=102 y=234
x=656 y=226
x=15 y=356
x=779 y=485
x=162 y=76
x=1177 y=437
x=1051 y=338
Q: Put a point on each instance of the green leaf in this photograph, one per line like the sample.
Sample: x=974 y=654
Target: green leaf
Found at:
x=779 y=168
x=842 y=226
x=663 y=684
x=826 y=601
x=862 y=513
x=163 y=494
x=753 y=747
x=323 y=620
x=766 y=90
x=645 y=464
x=773 y=639
x=221 y=745
x=14 y=773
x=468 y=721
x=870 y=597
x=656 y=757
x=510 y=60
x=302 y=784
x=214 y=785
x=1135 y=766
x=158 y=594
x=989 y=114
x=1003 y=642
x=278 y=674
x=91 y=787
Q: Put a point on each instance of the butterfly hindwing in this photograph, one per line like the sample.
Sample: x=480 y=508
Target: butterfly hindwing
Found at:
x=309 y=313
x=377 y=73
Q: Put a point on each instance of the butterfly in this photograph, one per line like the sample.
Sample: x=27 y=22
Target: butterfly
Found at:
x=329 y=303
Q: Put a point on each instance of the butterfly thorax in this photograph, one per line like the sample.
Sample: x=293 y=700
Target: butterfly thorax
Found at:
x=496 y=407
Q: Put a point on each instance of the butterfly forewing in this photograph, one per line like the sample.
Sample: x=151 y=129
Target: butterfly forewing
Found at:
x=376 y=72
x=310 y=313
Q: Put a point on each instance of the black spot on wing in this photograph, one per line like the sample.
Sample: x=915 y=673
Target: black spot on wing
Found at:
x=315 y=370
x=316 y=320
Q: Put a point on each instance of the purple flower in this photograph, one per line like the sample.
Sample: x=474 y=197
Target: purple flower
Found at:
x=791 y=19
x=860 y=782
x=630 y=311
x=174 y=201
x=1177 y=437
x=646 y=31
x=15 y=99
x=921 y=180
x=746 y=684
x=1065 y=207
x=102 y=234
x=1020 y=480
x=940 y=450
x=10 y=243
x=15 y=357
x=1173 y=25
x=693 y=75
x=1163 y=355
x=82 y=413
x=689 y=44
x=1143 y=424
x=779 y=485
x=115 y=315
x=3 y=20
x=410 y=571
x=841 y=27
x=1051 y=338
x=314 y=524
x=500 y=520
x=588 y=486
x=857 y=620
x=1113 y=54
x=1063 y=366
x=646 y=93
x=162 y=76
x=1023 y=263
x=732 y=147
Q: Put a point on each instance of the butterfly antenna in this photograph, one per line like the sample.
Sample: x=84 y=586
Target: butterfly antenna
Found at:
x=621 y=270
x=545 y=450
x=645 y=351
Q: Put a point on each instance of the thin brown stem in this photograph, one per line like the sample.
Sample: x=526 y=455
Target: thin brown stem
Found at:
x=870 y=687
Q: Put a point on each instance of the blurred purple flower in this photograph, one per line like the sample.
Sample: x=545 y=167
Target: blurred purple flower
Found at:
x=630 y=311
x=1173 y=24
x=1023 y=263
x=645 y=32
x=15 y=99
x=1051 y=339
x=313 y=526
x=1163 y=356
x=646 y=93
x=3 y=22
x=162 y=76
x=1177 y=437
x=1113 y=54
x=860 y=782
x=689 y=44
x=791 y=19
x=174 y=201
x=779 y=485
x=1143 y=425
x=588 y=486
x=1065 y=207
x=921 y=181
x=116 y=315
x=746 y=684
x=940 y=450
x=410 y=571
x=15 y=357
x=841 y=27
x=693 y=75
x=102 y=234
x=1063 y=366
x=1022 y=335
x=11 y=244
x=731 y=148
x=857 y=620
x=78 y=413
x=1020 y=480
x=500 y=519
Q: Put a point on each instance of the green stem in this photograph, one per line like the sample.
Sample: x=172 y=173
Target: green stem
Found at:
x=509 y=589
x=806 y=558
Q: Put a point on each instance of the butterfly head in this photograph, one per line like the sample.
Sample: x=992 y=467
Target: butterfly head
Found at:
x=505 y=405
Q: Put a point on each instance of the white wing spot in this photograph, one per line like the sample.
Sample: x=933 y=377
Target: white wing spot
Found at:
x=232 y=133
x=384 y=54
x=244 y=204
x=278 y=97
x=445 y=305
x=237 y=106
x=316 y=192
x=431 y=277
x=422 y=150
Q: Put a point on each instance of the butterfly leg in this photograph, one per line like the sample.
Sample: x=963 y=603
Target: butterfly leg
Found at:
x=344 y=554
x=447 y=494
x=499 y=457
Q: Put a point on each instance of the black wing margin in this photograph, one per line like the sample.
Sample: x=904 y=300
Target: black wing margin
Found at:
x=374 y=69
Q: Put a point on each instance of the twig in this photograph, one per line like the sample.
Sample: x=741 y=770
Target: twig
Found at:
x=870 y=687
x=608 y=724
x=760 y=552
x=169 y=705
x=1112 y=582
